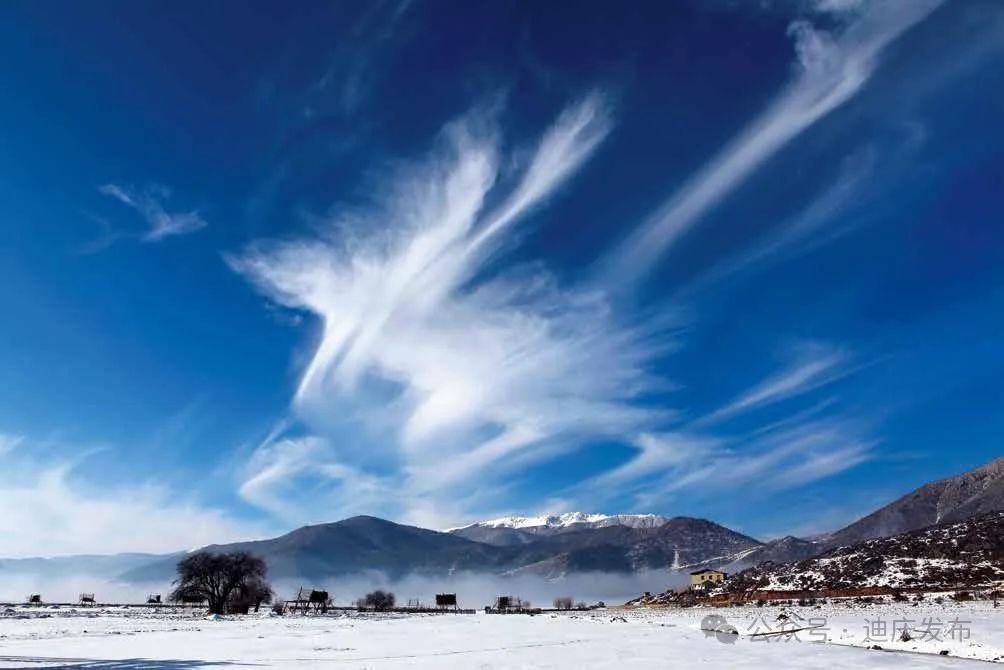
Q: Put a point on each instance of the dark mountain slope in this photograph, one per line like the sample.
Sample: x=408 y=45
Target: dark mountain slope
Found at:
x=681 y=540
x=500 y=537
x=358 y=544
x=953 y=499
x=783 y=550
x=363 y=544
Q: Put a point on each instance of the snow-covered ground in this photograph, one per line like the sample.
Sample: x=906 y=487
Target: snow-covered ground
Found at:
x=162 y=640
x=973 y=631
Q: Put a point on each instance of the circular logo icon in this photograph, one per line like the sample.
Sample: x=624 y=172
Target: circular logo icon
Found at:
x=718 y=627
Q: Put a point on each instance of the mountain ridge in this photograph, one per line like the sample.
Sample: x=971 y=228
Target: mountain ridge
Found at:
x=516 y=530
x=552 y=546
x=948 y=554
x=369 y=544
x=954 y=498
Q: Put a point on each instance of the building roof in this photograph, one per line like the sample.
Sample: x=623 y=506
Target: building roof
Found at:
x=701 y=572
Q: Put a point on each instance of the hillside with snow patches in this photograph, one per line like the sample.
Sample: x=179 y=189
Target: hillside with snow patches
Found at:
x=967 y=553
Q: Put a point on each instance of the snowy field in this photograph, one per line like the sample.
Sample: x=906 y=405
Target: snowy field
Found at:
x=841 y=638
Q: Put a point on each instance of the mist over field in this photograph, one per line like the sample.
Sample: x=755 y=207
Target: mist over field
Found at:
x=474 y=590
x=477 y=590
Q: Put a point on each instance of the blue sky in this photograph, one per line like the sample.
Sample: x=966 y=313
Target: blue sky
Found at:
x=268 y=264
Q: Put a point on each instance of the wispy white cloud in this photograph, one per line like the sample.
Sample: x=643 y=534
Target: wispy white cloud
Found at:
x=786 y=458
x=700 y=458
x=831 y=70
x=353 y=67
x=9 y=442
x=835 y=457
x=150 y=203
x=809 y=228
x=50 y=509
x=279 y=467
x=565 y=147
x=448 y=379
x=107 y=236
x=839 y=8
x=813 y=365
x=482 y=368
x=478 y=370
x=657 y=453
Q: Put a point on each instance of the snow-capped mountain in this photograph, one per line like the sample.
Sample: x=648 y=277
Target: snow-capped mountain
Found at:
x=555 y=545
x=368 y=544
x=514 y=530
x=569 y=519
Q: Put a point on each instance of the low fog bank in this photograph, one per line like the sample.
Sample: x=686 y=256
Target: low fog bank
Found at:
x=474 y=590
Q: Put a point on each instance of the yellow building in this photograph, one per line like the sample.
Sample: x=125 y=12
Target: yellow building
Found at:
x=705 y=578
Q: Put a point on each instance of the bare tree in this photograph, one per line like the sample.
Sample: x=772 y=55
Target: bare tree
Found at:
x=320 y=600
x=226 y=582
x=378 y=600
x=563 y=603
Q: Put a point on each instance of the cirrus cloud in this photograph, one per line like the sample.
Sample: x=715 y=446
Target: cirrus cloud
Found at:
x=150 y=203
x=51 y=509
x=470 y=367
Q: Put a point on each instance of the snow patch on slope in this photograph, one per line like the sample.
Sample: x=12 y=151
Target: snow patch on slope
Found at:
x=559 y=521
